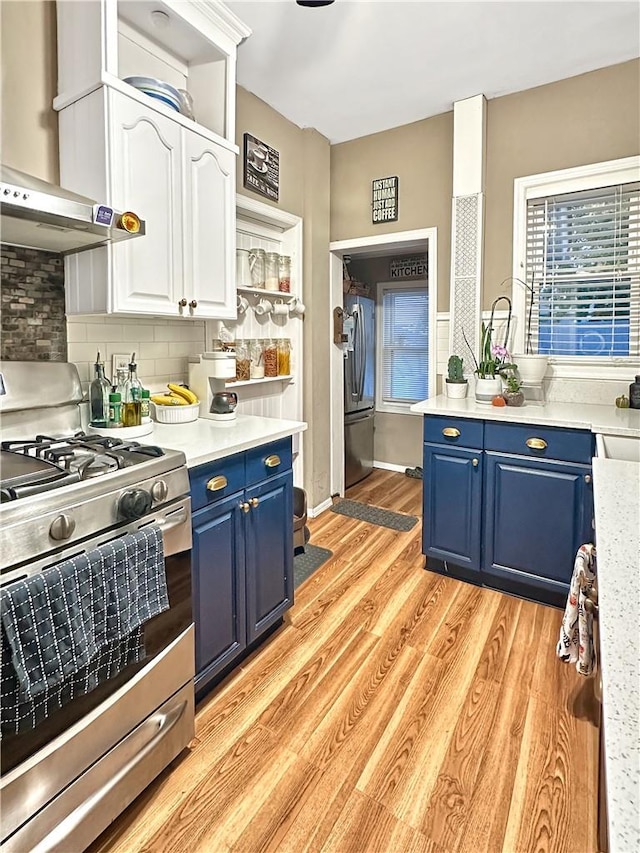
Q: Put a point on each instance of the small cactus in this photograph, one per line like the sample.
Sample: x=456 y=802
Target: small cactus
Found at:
x=454 y=368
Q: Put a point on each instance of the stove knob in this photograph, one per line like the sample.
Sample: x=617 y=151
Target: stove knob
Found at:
x=159 y=491
x=134 y=504
x=62 y=527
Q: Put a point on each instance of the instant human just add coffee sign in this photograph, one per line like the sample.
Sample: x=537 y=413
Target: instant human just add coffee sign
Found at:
x=384 y=199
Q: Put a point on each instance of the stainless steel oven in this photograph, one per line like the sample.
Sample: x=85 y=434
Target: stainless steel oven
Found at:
x=64 y=780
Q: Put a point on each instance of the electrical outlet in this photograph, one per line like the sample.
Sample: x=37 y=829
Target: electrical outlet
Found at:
x=119 y=362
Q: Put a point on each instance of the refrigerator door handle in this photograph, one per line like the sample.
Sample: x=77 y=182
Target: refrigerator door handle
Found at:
x=363 y=358
x=355 y=389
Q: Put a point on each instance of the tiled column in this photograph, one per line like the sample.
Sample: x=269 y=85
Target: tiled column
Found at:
x=467 y=221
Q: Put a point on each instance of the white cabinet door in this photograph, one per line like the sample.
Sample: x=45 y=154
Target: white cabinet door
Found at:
x=146 y=177
x=209 y=219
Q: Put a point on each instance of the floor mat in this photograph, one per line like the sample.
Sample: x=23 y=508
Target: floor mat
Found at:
x=375 y=515
x=306 y=563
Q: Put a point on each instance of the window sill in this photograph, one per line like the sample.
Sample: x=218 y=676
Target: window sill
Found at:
x=592 y=368
x=396 y=409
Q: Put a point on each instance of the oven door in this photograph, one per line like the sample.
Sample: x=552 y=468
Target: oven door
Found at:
x=38 y=764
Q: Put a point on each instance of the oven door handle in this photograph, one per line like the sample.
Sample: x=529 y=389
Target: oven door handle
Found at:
x=174 y=519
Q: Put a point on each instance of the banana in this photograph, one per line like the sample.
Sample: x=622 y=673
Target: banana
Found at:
x=181 y=391
x=168 y=400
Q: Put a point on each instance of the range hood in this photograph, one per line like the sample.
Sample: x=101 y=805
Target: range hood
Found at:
x=39 y=215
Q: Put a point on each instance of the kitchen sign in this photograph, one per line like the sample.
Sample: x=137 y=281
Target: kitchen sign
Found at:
x=384 y=199
x=414 y=267
x=261 y=167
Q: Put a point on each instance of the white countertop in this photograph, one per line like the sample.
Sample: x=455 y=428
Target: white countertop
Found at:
x=205 y=440
x=617 y=510
x=597 y=418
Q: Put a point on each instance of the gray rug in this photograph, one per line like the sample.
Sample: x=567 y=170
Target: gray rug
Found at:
x=375 y=515
x=306 y=563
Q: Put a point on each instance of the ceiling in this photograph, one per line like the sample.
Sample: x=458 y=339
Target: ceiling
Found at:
x=361 y=66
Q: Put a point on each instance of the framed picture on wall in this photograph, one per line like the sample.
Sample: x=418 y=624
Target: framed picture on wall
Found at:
x=261 y=167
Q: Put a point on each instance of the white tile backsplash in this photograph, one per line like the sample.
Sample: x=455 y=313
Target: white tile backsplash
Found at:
x=162 y=347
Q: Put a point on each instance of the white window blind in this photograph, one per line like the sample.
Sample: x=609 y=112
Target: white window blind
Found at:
x=405 y=350
x=583 y=265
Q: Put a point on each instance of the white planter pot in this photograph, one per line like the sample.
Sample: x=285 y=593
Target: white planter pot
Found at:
x=456 y=390
x=487 y=389
x=531 y=368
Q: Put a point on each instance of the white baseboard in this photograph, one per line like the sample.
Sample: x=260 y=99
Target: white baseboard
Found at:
x=315 y=511
x=389 y=466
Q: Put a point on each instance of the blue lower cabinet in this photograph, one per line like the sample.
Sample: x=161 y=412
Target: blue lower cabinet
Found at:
x=537 y=514
x=218 y=559
x=242 y=558
x=505 y=519
x=452 y=505
x=269 y=553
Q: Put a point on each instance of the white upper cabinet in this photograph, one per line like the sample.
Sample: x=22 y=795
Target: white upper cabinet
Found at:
x=134 y=152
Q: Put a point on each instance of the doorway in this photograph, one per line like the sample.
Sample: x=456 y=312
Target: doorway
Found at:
x=404 y=243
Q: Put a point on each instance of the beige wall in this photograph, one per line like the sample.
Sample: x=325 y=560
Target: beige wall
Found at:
x=581 y=120
x=421 y=154
x=29 y=125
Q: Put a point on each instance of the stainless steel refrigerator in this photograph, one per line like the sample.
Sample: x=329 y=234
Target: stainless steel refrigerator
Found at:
x=359 y=387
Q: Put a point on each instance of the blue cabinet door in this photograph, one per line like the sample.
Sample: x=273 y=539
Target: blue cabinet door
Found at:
x=218 y=586
x=538 y=513
x=452 y=496
x=269 y=552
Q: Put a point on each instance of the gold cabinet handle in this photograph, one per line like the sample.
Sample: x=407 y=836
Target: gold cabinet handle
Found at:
x=590 y=606
x=474 y=462
x=193 y=303
x=272 y=461
x=451 y=432
x=182 y=302
x=244 y=506
x=254 y=502
x=217 y=483
x=536 y=443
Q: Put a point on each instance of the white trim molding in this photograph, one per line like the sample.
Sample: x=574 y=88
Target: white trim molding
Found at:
x=390 y=466
x=315 y=511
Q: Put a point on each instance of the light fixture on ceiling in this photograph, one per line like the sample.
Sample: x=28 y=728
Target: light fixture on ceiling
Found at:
x=312 y=3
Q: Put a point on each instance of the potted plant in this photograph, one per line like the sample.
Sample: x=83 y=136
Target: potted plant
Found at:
x=493 y=362
x=513 y=395
x=531 y=366
x=455 y=383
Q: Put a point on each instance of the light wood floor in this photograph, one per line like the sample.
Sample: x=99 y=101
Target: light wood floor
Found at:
x=397 y=711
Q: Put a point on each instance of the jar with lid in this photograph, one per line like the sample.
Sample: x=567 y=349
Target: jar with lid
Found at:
x=243 y=268
x=284 y=357
x=256 y=266
x=270 y=355
x=285 y=274
x=243 y=364
x=257 y=359
x=272 y=271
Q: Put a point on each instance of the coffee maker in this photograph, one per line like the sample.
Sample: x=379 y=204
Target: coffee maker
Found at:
x=208 y=375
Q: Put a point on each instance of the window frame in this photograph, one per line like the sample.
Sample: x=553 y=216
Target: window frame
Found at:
x=404 y=408
x=592 y=176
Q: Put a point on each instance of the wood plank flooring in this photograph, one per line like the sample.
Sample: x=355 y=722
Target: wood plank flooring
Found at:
x=396 y=711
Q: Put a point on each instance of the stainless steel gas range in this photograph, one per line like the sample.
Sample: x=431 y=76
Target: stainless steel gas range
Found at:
x=84 y=750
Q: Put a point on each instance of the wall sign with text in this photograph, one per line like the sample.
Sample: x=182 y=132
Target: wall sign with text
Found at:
x=414 y=267
x=261 y=167
x=384 y=199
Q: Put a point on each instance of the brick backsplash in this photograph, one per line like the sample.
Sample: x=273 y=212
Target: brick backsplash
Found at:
x=32 y=290
x=34 y=326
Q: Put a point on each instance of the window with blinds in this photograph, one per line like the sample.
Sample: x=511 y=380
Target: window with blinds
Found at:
x=404 y=349
x=583 y=271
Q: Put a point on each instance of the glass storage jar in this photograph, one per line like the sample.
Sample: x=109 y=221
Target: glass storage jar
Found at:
x=257 y=359
x=284 y=357
x=257 y=267
x=272 y=271
x=285 y=274
x=270 y=354
x=243 y=364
